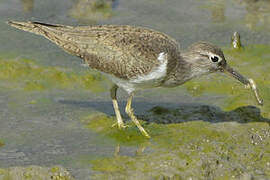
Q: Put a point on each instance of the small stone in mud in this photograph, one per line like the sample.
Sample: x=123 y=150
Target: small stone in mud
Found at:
x=236 y=42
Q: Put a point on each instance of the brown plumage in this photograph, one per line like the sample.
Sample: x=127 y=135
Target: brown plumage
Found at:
x=123 y=51
x=135 y=57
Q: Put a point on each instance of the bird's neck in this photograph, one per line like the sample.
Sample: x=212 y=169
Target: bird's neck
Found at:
x=184 y=71
x=195 y=68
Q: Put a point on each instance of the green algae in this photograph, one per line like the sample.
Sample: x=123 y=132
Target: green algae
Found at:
x=35 y=173
x=102 y=124
x=29 y=76
x=190 y=150
x=199 y=142
x=235 y=146
x=252 y=62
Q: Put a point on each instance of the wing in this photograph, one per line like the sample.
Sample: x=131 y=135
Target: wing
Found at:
x=123 y=51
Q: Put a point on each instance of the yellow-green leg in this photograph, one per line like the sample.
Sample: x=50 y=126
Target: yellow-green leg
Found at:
x=130 y=113
x=120 y=122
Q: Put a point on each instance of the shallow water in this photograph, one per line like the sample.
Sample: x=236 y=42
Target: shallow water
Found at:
x=56 y=112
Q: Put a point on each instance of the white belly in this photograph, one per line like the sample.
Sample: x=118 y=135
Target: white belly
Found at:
x=130 y=86
x=150 y=80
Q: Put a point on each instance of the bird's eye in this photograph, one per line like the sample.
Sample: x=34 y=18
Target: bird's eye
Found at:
x=214 y=58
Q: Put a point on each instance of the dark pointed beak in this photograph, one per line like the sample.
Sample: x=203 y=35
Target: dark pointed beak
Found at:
x=224 y=67
x=235 y=74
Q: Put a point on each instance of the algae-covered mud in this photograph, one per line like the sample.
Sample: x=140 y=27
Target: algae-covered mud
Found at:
x=34 y=173
x=193 y=149
x=27 y=75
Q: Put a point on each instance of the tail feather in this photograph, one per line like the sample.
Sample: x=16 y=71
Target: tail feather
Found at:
x=47 y=30
x=33 y=27
x=50 y=31
x=48 y=25
x=26 y=26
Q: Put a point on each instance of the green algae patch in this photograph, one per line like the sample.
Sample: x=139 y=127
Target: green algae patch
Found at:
x=35 y=173
x=252 y=62
x=102 y=124
x=196 y=141
x=29 y=76
x=192 y=150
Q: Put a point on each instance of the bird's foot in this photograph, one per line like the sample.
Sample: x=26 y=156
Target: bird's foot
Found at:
x=120 y=125
x=144 y=133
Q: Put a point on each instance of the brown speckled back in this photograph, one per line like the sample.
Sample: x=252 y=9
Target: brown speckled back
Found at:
x=122 y=51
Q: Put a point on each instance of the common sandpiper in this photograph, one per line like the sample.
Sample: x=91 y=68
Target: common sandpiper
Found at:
x=136 y=58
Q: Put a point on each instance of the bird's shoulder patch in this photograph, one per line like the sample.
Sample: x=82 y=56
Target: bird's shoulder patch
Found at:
x=157 y=72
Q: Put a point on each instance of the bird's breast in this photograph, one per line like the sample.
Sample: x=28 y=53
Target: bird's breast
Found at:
x=154 y=78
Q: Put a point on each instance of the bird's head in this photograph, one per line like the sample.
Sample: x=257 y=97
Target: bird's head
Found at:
x=207 y=58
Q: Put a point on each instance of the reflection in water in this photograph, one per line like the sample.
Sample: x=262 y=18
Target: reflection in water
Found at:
x=258 y=13
x=117 y=150
x=115 y=4
x=91 y=11
x=1 y=144
x=28 y=5
x=138 y=152
x=217 y=11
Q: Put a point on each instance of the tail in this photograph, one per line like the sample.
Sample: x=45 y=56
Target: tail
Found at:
x=53 y=32
x=33 y=27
